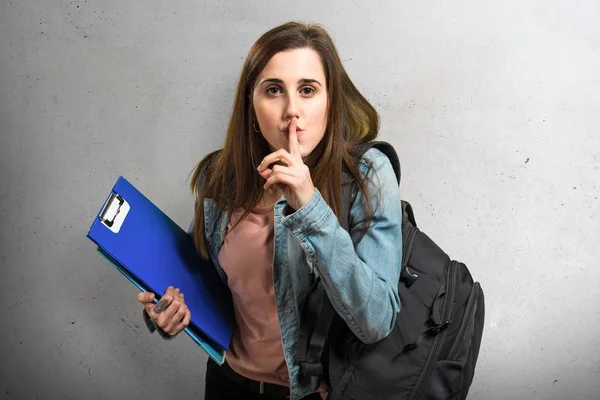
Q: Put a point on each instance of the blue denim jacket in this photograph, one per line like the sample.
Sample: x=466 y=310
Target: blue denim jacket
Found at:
x=361 y=279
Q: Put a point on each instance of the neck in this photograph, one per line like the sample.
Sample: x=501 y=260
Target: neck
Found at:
x=269 y=199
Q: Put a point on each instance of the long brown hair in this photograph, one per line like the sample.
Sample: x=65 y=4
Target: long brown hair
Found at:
x=230 y=176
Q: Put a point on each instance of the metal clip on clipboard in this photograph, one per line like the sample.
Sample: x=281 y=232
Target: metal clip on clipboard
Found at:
x=114 y=212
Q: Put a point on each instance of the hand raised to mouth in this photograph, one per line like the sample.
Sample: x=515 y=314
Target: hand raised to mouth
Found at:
x=290 y=173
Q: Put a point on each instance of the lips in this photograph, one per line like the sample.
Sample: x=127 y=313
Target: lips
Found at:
x=298 y=132
x=287 y=130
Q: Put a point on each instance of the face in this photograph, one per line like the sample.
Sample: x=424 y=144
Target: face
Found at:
x=291 y=85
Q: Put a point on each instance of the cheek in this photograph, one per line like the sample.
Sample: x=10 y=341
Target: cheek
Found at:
x=259 y=110
x=266 y=114
x=320 y=115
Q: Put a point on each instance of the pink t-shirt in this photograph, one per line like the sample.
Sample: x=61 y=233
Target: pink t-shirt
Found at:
x=247 y=258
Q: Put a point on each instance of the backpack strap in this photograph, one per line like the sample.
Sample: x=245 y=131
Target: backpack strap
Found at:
x=349 y=189
x=310 y=361
x=386 y=149
x=407 y=213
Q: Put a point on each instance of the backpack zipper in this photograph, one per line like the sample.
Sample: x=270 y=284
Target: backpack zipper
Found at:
x=463 y=328
x=434 y=353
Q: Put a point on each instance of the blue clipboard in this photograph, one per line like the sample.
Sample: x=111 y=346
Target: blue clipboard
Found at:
x=153 y=252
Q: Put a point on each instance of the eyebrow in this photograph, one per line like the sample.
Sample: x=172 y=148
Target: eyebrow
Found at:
x=302 y=81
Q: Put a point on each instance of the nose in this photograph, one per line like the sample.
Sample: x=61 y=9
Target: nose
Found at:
x=291 y=108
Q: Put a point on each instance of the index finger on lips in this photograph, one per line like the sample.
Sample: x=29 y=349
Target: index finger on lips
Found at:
x=294 y=147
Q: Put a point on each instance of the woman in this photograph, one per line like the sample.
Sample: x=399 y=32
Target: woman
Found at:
x=268 y=214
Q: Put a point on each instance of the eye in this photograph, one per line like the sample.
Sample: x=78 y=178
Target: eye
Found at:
x=307 y=90
x=273 y=90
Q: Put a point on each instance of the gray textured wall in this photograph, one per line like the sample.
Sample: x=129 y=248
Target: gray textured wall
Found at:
x=492 y=105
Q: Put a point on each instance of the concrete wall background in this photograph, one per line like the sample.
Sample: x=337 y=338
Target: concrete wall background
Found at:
x=492 y=106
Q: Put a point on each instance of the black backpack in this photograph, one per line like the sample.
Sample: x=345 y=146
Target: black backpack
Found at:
x=431 y=352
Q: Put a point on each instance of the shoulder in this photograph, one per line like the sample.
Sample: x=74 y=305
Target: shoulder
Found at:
x=374 y=160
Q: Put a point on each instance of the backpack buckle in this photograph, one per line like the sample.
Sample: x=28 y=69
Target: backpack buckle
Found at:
x=438 y=328
x=311 y=369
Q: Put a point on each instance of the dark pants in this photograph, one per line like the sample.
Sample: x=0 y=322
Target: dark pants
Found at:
x=222 y=383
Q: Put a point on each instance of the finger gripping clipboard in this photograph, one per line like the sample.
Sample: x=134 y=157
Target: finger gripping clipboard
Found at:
x=153 y=253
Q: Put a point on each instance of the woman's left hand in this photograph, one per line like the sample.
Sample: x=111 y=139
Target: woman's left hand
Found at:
x=292 y=176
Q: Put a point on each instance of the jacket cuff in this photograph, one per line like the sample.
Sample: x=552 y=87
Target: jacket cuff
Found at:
x=310 y=218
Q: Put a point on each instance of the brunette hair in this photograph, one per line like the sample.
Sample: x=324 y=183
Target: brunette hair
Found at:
x=229 y=176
